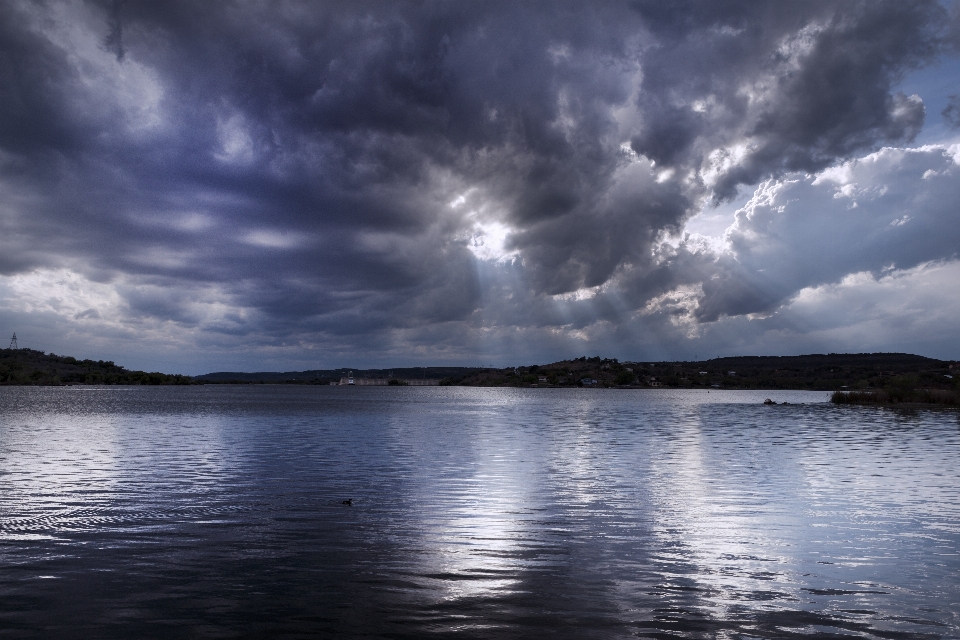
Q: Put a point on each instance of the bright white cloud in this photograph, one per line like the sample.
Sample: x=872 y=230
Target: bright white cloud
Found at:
x=488 y=241
x=61 y=292
x=804 y=231
x=903 y=310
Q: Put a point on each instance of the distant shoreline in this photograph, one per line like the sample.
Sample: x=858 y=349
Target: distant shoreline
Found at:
x=872 y=373
x=817 y=372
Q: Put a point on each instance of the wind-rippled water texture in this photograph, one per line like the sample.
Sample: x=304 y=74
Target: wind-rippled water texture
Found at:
x=480 y=513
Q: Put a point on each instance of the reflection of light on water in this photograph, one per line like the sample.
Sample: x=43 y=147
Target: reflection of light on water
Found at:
x=89 y=469
x=571 y=513
x=718 y=530
x=479 y=531
x=55 y=466
x=474 y=507
x=479 y=542
x=574 y=459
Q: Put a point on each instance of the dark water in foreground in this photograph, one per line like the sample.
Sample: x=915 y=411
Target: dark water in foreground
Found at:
x=478 y=513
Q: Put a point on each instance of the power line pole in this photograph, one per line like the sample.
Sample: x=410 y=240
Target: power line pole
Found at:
x=13 y=341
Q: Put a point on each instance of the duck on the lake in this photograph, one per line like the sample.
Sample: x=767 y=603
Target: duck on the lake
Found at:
x=348 y=502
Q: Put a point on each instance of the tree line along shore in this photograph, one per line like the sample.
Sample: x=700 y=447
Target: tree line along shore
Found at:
x=36 y=368
x=873 y=378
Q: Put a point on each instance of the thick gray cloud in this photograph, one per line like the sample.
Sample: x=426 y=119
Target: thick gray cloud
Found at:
x=359 y=174
x=951 y=112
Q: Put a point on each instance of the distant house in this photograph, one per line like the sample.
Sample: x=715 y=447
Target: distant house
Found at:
x=731 y=373
x=588 y=382
x=542 y=379
x=703 y=373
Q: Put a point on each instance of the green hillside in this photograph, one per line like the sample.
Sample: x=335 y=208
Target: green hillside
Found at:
x=824 y=372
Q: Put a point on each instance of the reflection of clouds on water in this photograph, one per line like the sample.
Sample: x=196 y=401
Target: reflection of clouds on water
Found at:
x=58 y=471
x=716 y=526
x=880 y=494
x=74 y=465
x=594 y=457
x=575 y=457
x=791 y=525
x=516 y=513
x=471 y=497
x=869 y=461
x=477 y=544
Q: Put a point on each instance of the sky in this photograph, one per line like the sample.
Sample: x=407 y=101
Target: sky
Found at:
x=250 y=186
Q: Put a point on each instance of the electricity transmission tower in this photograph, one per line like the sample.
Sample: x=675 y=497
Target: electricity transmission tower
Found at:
x=13 y=341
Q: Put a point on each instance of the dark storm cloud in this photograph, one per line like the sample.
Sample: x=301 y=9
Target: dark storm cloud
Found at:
x=803 y=84
x=114 y=39
x=951 y=113
x=303 y=161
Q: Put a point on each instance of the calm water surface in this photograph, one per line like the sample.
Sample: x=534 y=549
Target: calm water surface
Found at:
x=478 y=513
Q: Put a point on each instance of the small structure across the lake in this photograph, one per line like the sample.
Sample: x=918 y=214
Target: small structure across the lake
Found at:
x=385 y=382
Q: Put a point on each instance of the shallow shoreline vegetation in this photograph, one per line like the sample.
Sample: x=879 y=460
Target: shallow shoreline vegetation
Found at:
x=942 y=397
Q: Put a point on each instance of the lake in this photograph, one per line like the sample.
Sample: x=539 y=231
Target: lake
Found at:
x=216 y=511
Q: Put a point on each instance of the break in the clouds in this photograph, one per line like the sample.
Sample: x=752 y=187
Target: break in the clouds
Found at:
x=193 y=186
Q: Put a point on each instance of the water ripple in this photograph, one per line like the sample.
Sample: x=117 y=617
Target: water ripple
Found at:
x=486 y=513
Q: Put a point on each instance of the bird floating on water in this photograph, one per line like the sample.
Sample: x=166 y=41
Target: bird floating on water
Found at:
x=348 y=502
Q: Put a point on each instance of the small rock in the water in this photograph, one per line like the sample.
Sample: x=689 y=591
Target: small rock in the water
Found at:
x=769 y=401
x=349 y=502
